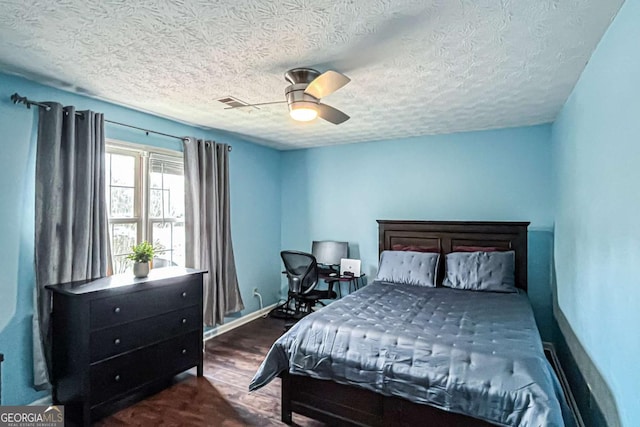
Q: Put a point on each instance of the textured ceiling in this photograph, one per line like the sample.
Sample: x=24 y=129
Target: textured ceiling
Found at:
x=417 y=67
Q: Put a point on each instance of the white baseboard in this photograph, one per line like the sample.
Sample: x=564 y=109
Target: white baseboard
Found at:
x=219 y=330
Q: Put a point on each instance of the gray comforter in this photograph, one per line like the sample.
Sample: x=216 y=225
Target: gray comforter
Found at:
x=474 y=353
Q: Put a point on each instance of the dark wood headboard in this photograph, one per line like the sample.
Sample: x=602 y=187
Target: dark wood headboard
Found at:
x=447 y=234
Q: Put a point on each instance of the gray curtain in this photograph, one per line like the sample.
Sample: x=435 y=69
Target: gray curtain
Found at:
x=71 y=233
x=208 y=226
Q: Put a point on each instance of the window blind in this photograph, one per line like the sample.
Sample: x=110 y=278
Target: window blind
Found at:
x=165 y=165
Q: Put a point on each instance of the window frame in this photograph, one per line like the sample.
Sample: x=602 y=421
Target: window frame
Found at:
x=151 y=221
x=142 y=187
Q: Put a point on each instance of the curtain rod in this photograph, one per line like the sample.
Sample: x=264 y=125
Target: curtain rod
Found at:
x=17 y=99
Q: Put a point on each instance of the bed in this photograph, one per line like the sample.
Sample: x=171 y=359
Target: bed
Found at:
x=393 y=354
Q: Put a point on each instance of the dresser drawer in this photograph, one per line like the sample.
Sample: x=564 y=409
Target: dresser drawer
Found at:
x=123 y=373
x=124 y=308
x=129 y=336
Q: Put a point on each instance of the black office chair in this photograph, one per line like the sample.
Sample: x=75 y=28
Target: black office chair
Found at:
x=301 y=269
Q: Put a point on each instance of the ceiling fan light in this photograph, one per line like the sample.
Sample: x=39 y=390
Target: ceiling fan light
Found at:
x=303 y=114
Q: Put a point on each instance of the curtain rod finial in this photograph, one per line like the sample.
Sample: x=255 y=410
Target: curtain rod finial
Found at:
x=17 y=98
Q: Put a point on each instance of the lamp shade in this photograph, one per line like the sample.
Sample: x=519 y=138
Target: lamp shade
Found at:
x=303 y=111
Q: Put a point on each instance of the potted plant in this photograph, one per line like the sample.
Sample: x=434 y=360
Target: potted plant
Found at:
x=141 y=255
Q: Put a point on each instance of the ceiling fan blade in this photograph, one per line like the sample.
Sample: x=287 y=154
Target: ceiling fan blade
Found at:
x=255 y=105
x=332 y=115
x=378 y=44
x=326 y=83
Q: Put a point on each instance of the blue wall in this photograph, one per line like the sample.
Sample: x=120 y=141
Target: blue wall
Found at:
x=338 y=192
x=255 y=211
x=596 y=142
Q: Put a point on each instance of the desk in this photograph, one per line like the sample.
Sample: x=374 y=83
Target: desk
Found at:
x=355 y=281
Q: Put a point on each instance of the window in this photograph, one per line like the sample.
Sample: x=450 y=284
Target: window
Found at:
x=145 y=198
x=166 y=207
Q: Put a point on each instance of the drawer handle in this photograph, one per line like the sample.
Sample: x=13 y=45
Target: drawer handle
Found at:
x=184 y=351
x=116 y=341
x=117 y=378
x=116 y=310
x=184 y=295
x=184 y=320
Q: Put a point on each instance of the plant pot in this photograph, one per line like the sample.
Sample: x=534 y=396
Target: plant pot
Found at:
x=141 y=269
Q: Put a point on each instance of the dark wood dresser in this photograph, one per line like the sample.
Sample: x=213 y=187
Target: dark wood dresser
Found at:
x=119 y=339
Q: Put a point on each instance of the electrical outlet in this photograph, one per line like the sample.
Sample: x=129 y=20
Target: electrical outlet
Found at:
x=255 y=291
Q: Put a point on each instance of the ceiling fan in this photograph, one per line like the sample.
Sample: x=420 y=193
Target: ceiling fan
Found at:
x=307 y=86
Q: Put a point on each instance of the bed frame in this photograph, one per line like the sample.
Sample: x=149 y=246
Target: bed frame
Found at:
x=346 y=405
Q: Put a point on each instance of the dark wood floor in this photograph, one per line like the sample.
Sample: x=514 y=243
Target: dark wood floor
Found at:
x=221 y=398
